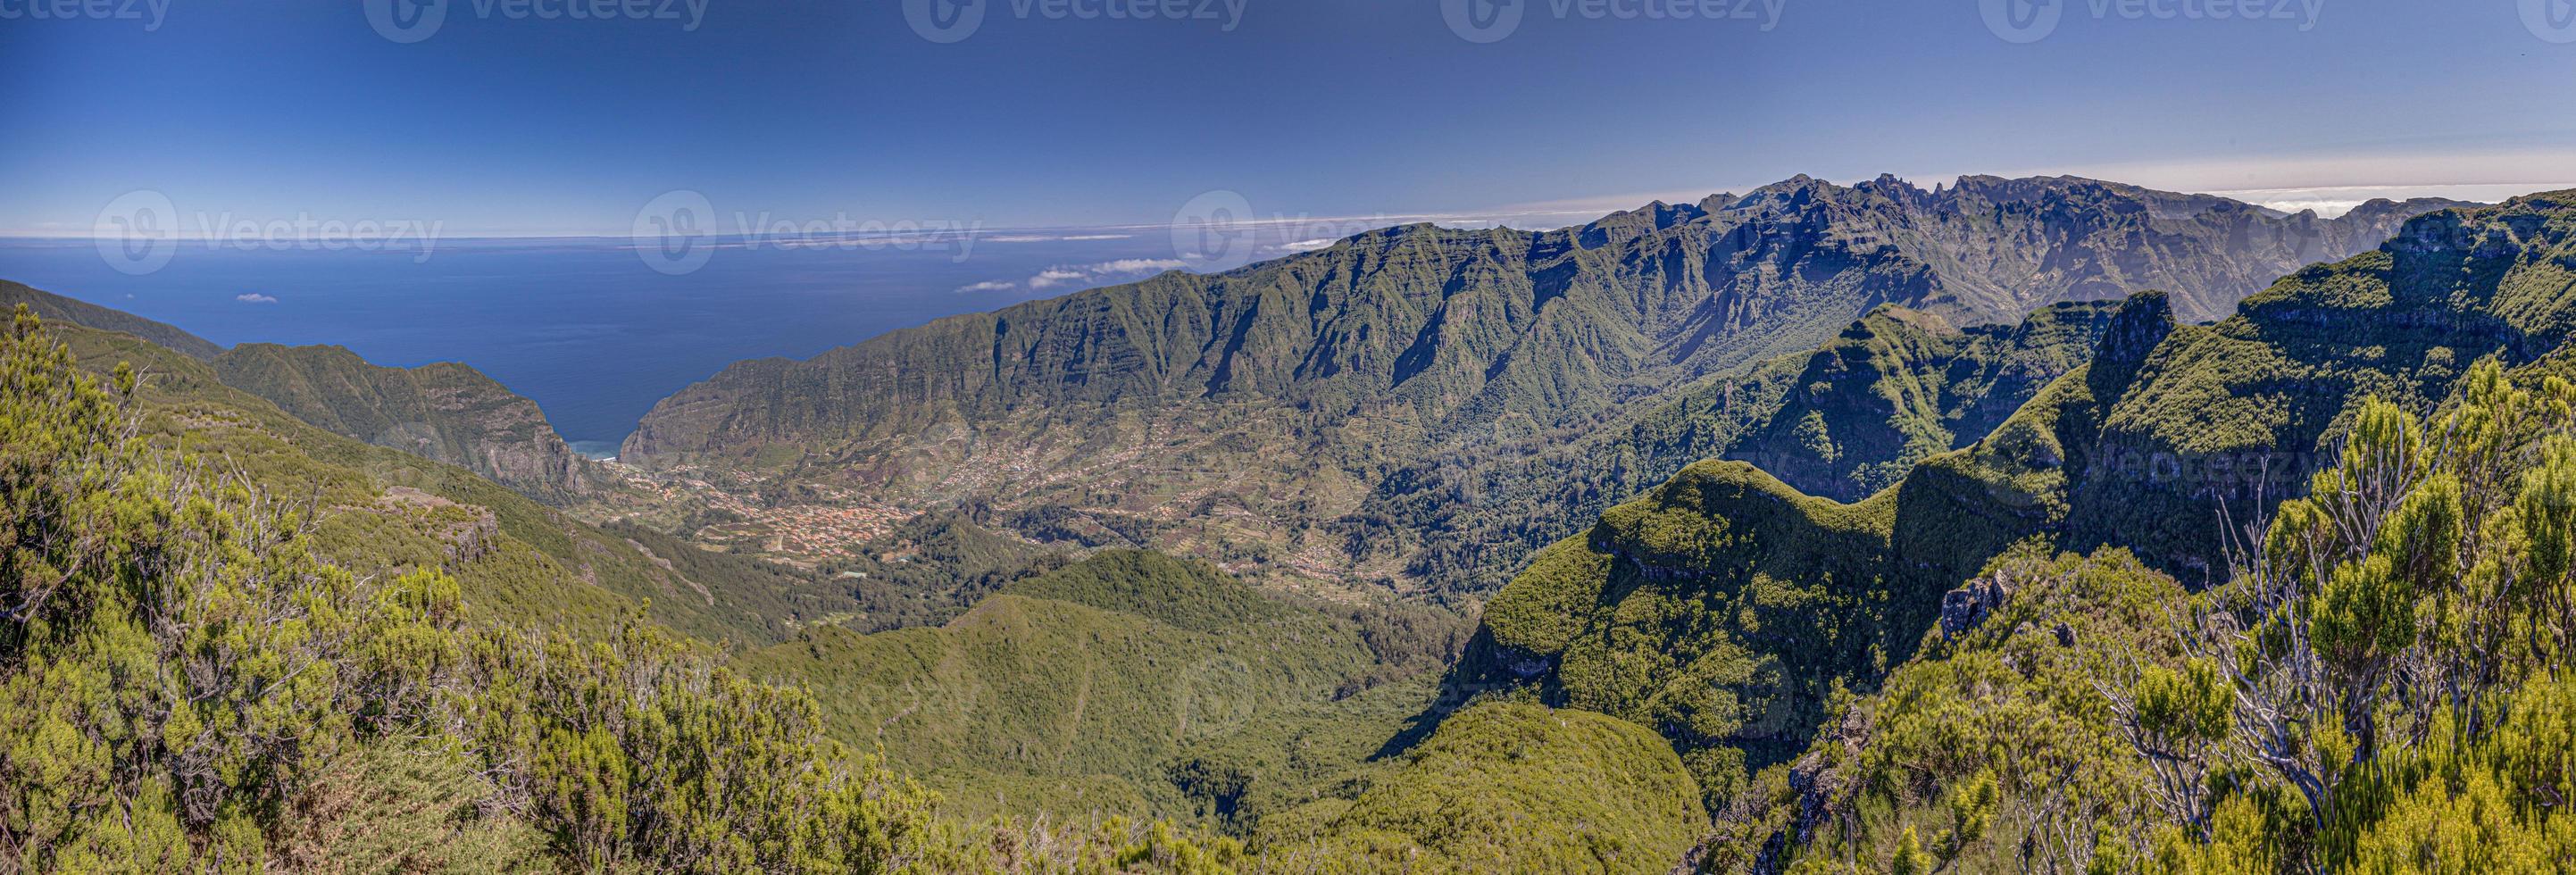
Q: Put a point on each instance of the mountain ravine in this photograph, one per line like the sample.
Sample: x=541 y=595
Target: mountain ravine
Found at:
x=1227 y=415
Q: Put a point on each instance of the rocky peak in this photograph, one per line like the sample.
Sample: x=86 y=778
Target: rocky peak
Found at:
x=2142 y=322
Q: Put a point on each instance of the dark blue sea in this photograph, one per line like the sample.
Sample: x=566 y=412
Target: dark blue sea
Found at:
x=584 y=326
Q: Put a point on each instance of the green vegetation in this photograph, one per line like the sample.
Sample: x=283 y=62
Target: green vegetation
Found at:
x=189 y=685
x=2380 y=688
x=1994 y=750
x=1732 y=613
x=2240 y=413
x=1843 y=421
x=932 y=568
x=201 y=672
x=1727 y=610
x=1126 y=680
x=382 y=508
x=1510 y=787
x=2391 y=662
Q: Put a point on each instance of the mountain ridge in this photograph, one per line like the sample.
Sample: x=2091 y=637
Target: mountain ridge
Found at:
x=1288 y=389
x=52 y=306
x=446 y=411
x=1688 y=607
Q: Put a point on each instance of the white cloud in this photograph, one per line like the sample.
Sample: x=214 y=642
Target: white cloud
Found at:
x=1139 y=265
x=1084 y=274
x=1309 y=245
x=2326 y=208
x=2332 y=201
x=1055 y=238
x=1056 y=276
x=254 y=298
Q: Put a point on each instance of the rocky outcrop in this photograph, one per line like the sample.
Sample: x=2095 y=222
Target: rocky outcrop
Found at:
x=2218 y=423
x=1965 y=608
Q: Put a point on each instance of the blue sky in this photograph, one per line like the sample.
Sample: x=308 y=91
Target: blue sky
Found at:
x=1051 y=113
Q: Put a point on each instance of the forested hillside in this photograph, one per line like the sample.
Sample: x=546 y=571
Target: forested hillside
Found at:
x=1843 y=421
x=1129 y=681
x=203 y=670
x=2382 y=689
x=1780 y=641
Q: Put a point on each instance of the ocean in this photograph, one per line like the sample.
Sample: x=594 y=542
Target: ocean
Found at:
x=585 y=326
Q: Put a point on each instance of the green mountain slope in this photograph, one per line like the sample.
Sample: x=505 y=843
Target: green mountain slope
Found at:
x=1729 y=611
x=1995 y=747
x=200 y=670
x=2091 y=713
x=1842 y=422
x=2235 y=416
x=1508 y=787
x=56 y=308
x=1229 y=415
x=932 y=568
x=518 y=560
x=446 y=412
x=1129 y=681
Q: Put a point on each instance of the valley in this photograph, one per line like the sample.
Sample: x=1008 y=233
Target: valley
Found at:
x=1754 y=594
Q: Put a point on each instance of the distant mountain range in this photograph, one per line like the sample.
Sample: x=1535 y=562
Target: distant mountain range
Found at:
x=1234 y=414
